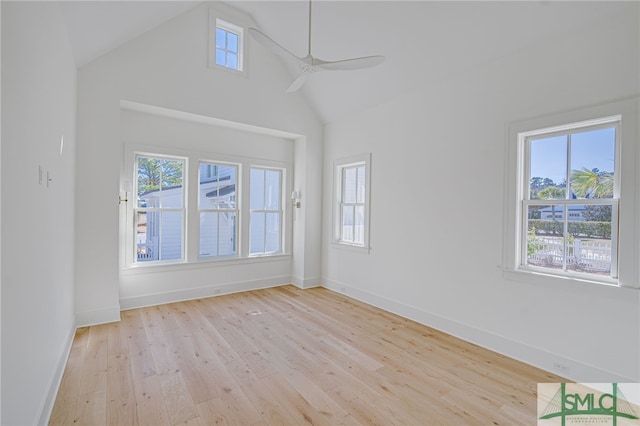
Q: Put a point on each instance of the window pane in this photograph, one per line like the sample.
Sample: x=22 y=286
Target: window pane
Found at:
x=148 y=180
x=217 y=234
x=208 y=185
x=221 y=38
x=232 y=42
x=256 y=233
x=361 y=185
x=347 y=223
x=548 y=168
x=208 y=234
x=171 y=174
x=171 y=193
x=273 y=190
x=256 y=190
x=227 y=180
x=545 y=236
x=589 y=240
x=358 y=225
x=227 y=173
x=272 y=243
x=227 y=234
x=221 y=57
x=146 y=236
x=349 y=185
x=232 y=61
x=171 y=235
x=208 y=172
x=592 y=163
x=151 y=199
x=217 y=187
x=209 y=196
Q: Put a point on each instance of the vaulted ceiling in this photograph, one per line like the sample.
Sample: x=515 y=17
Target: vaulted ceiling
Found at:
x=423 y=41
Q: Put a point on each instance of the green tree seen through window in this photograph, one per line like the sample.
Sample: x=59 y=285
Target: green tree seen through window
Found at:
x=156 y=173
x=592 y=183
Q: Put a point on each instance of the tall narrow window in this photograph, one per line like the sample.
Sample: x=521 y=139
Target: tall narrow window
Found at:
x=265 y=228
x=160 y=209
x=352 y=204
x=218 y=209
x=228 y=45
x=570 y=199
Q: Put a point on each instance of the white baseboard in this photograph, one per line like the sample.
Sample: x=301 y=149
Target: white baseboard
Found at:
x=101 y=316
x=50 y=399
x=306 y=283
x=201 y=292
x=571 y=369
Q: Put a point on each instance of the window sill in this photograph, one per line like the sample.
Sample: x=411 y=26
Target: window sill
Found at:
x=201 y=264
x=231 y=71
x=557 y=281
x=351 y=247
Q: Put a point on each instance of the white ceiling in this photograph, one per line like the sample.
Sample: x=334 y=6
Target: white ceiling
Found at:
x=423 y=41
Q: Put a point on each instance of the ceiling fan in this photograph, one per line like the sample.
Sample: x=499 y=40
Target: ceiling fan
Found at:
x=310 y=65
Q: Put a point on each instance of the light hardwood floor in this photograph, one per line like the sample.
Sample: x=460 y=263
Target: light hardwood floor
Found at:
x=287 y=356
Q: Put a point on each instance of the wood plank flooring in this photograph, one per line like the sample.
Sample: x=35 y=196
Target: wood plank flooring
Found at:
x=285 y=356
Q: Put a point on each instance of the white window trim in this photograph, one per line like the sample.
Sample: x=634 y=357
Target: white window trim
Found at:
x=191 y=227
x=216 y=21
x=338 y=167
x=627 y=162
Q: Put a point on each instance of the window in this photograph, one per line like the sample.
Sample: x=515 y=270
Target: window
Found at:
x=572 y=177
x=237 y=210
x=228 y=45
x=570 y=199
x=218 y=209
x=266 y=211
x=351 y=217
x=352 y=205
x=160 y=209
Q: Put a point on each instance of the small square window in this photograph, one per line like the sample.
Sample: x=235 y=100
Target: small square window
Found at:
x=228 y=42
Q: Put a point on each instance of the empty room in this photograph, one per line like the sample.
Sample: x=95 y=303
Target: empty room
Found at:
x=320 y=212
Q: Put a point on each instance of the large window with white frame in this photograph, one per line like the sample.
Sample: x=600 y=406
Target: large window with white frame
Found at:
x=218 y=209
x=266 y=207
x=571 y=201
x=160 y=208
x=570 y=198
x=351 y=211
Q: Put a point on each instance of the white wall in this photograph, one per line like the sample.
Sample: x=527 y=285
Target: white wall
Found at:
x=437 y=202
x=0 y=217
x=167 y=67
x=38 y=102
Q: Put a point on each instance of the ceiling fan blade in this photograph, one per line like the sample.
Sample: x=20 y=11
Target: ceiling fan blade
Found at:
x=351 y=64
x=298 y=82
x=271 y=45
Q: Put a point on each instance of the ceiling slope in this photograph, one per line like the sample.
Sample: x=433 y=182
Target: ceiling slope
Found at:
x=423 y=41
